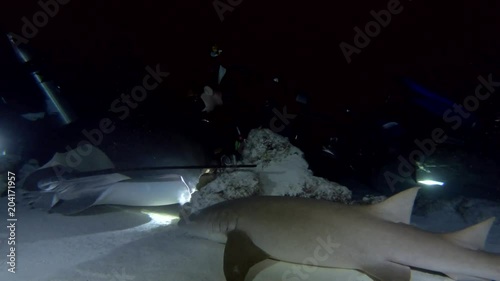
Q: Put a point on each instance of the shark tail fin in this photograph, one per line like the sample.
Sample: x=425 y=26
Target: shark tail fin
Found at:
x=473 y=237
x=396 y=208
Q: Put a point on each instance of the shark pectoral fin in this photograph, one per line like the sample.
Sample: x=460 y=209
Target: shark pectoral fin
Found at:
x=259 y=267
x=397 y=208
x=240 y=255
x=473 y=237
x=458 y=277
x=388 y=271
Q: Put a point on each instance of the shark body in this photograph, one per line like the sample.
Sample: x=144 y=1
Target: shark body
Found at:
x=72 y=196
x=375 y=239
x=47 y=188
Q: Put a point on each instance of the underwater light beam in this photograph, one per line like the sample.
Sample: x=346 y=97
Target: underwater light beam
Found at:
x=431 y=182
x=161 y=219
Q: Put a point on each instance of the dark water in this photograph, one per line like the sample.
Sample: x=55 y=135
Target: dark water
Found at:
x=297 y=43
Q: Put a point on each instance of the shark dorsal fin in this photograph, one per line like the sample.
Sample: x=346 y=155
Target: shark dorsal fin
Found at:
x=396 y=208
x=473 y=237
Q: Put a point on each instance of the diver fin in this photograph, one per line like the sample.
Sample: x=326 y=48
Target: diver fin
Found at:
x=240 y=255
x=388 y=271
x=473 y=237
x=458 y=277
x=396 y=208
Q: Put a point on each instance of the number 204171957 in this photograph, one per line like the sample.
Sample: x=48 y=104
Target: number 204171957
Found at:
x=11 y=221
x=11 y=194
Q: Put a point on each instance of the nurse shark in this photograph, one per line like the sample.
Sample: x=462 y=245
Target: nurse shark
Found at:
x=375 y=239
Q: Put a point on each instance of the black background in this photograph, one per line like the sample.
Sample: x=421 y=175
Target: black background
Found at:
x=443 y=45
